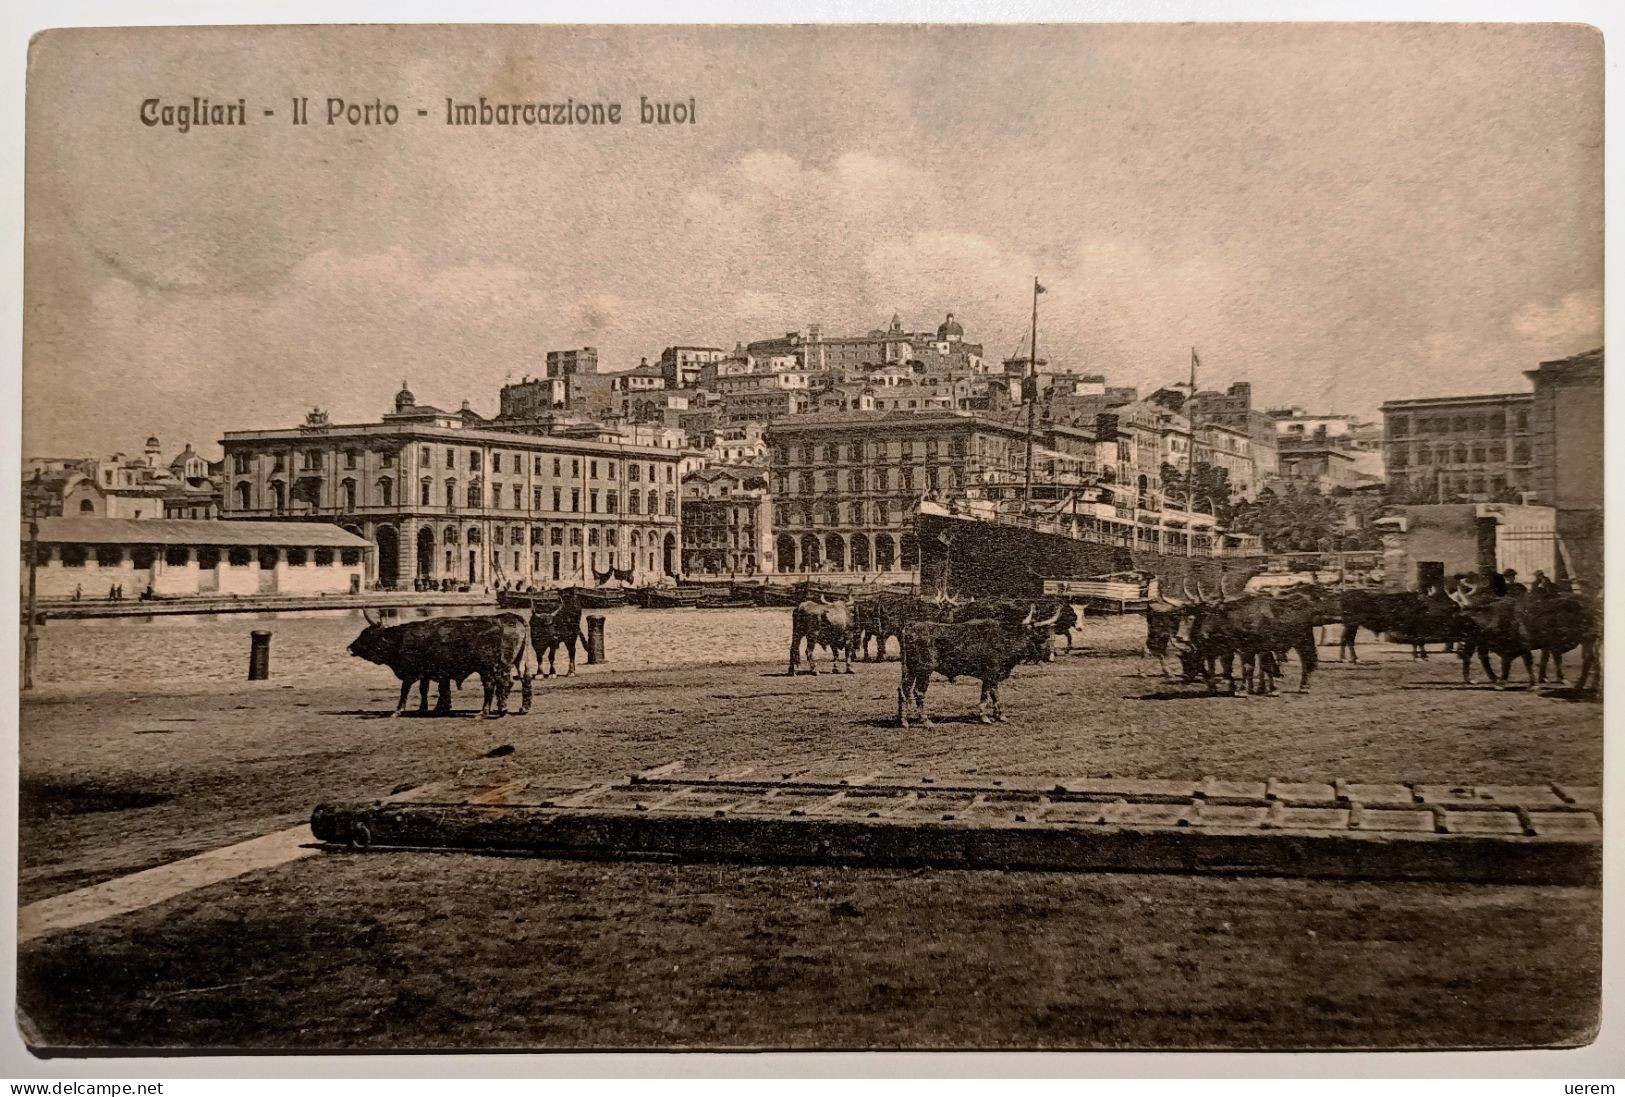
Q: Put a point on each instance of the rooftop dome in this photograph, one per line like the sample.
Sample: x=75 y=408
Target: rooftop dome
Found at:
x=152 y=442
x=950 y=329
x=404 y=398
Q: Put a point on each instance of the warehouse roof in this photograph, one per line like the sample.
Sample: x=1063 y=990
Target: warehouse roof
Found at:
x=181 y=531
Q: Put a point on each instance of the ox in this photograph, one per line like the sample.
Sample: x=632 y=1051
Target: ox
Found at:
x=1376 y=612
x=1062 y=616
x=987 y=650
x=1162 y=618
x=883 y=615
x=1259 y=628
x=1517 y=625
x=496 y=647
x=827 y=623
x=1557 y=623
x=551 y=628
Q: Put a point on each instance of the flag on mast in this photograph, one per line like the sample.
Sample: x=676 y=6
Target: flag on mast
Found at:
x=1039 y=287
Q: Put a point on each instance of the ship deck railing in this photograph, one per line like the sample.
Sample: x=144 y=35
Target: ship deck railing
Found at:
x=1080 y=532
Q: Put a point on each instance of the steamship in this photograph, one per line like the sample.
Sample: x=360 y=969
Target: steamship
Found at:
x=1088 y=542
x=1091 y=549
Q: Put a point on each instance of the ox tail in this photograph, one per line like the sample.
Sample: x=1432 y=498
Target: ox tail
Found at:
x=527 y=664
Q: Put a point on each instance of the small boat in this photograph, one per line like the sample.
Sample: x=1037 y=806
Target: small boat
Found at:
x=725 y=601
x=600 y=597
x=522 y=599
x=666 y=597
x=769 y=594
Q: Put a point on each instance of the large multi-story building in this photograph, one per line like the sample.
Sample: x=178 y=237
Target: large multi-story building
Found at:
x=1297 y=429
x=845 y=484
x=946 y=348
x=763 y=405
x=450 y=497
x=568 y=363
x=1460 y=448
x=680 y=367
x=1228 y=448
x=1234 y=408
x=1567 y=424
x=1316 y=464
x=727 y=521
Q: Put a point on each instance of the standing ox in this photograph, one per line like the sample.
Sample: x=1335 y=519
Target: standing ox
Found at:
x=1162 y=618
x=1555 y=624
x=1063 y=618
x=1260 y=628
x=987 y=650
x=827 y=623
x=496 y=647
x=1518 y=625
x=883 y=615
x=1376 y=611
x=551 y=628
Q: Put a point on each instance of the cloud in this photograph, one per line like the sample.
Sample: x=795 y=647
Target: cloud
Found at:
x=1340 y=215
x=1576 y=319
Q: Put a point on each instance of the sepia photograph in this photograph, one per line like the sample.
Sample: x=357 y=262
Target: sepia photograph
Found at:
x=935 y=537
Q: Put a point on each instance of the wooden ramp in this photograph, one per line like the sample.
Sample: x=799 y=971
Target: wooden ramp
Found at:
x=1533 y=834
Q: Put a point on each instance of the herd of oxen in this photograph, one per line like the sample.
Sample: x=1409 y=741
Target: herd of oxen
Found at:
x=985 y=639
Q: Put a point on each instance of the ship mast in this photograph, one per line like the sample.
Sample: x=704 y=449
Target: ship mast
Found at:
x=1032 y=397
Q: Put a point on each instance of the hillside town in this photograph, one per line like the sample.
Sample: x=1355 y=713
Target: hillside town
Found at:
x=807 y=454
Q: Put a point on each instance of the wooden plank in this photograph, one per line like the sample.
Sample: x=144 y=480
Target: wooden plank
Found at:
x=923 y=840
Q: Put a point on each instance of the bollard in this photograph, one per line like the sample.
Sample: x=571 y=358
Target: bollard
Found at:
x=595 y=639
x=259 y=656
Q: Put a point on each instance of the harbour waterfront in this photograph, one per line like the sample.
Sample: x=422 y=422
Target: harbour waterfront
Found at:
x=130 y=775
x=309 y=647
x=305 y=645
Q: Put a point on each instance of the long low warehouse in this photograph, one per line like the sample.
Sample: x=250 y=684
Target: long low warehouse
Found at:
x=87 y=557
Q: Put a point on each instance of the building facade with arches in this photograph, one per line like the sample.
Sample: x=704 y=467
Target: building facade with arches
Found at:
x=450 y=498
x=845 y=485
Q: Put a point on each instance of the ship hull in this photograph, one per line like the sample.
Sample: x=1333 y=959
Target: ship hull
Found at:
x=968 y=556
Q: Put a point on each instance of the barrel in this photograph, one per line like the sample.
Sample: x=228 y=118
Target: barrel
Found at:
x=595 y=638
x=259 y=655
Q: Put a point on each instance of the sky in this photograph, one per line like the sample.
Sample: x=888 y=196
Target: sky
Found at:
x=1339 y=214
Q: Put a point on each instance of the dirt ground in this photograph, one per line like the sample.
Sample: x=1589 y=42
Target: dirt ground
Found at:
x=393 y=950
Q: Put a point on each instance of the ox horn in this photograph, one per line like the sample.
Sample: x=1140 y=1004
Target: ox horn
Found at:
x=1201 y=595
x=1050 y=623
x=371 y=618
x=1187 y=587
x=1028 y=620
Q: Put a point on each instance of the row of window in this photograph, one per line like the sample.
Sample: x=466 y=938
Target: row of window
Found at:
x=143 y=556
x=1399 y=426
x=384 y=495
x=713 y=540
x=830 y=513
x=312 y=460
x=807 y=483
x=1460 y=454
x=553 y=535
x=1470 y=485
x=832 y=452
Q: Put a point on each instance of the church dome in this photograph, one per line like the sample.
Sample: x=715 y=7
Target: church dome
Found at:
x=950 y=329
x=404 y=398
x=152 y=442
